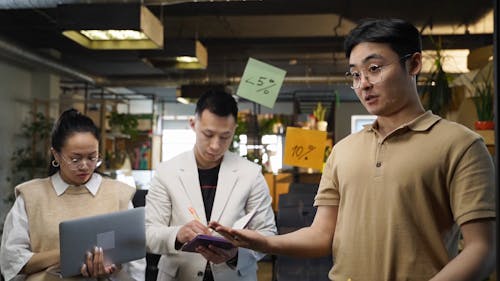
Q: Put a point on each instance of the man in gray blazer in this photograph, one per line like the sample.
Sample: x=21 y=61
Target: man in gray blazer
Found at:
x=207 y=183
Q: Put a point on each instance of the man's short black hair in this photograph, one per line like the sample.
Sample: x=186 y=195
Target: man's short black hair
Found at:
x=401 y=36
x=219 y=103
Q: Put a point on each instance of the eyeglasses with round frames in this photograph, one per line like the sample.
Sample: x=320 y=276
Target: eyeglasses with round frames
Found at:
x=372 y=73
x=77 y=163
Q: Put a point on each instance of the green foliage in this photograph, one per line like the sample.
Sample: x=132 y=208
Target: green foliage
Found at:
x=31 y=159
x=127 y=123
x=255 y=156
x=266 y=125
x=328 y=150
x=319 y=112
x=483 y=97
x=39 y=128
x=241 y=128
x=437 y=94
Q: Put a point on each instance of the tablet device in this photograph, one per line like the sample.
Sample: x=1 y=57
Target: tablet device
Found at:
x=205 y=240
x=120 y=234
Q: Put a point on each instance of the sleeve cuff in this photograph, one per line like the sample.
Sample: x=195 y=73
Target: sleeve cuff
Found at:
x=233 y=262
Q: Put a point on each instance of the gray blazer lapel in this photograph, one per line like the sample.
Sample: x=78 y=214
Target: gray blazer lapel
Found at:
x=188 y=174
x=225 y=185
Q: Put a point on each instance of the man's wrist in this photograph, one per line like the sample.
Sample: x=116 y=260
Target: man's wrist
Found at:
x=178 y=245
x=233 y=262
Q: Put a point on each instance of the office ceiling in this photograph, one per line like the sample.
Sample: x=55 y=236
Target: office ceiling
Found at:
x=304 y=37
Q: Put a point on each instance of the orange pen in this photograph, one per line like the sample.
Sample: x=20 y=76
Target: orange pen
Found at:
x=194 y=214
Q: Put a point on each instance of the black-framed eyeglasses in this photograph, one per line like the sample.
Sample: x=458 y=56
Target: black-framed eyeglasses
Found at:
x=372 y=73
x=76 y=163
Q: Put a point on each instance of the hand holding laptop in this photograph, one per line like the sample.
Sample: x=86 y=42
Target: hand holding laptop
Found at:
x=113 y=236
x=96 y=266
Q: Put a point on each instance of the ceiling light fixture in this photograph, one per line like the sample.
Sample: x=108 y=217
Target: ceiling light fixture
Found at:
x=182 y=100
x=107 y=26
x=113 y=35
x=186 y=59
x=179 y=54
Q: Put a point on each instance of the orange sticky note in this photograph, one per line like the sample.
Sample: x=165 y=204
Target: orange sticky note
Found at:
x=304 y=148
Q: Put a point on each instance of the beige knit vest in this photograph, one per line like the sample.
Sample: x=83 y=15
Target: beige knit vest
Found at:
x=46 y=210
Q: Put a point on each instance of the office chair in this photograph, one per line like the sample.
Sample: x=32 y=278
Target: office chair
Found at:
x=298 y=187
x=295 y=210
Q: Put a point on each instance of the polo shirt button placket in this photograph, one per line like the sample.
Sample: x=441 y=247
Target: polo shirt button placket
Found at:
x=378 y=164
x=378 y=159
x=200 y=273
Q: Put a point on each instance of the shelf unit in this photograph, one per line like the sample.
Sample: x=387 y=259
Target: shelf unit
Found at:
x=98 y=103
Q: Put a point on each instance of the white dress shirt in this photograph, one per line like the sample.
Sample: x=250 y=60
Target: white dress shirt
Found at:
x=15 y=250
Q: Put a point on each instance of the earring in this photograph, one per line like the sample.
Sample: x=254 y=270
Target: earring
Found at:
x=54 y=163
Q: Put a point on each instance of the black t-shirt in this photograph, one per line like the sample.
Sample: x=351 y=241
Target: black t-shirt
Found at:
x=208 y=183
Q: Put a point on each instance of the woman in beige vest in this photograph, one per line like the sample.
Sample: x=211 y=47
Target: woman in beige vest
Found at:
x=30 y=241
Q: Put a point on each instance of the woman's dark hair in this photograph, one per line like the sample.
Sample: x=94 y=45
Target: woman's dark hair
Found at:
x=219 y=103
x=71 y=121
x=401 y=36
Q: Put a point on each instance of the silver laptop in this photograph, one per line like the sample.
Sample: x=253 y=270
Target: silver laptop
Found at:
x=120 y=234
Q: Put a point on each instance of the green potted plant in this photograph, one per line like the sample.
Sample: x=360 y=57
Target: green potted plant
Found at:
x=30 y=159
x=319 y=114
x=123 y=123
x=483 y=100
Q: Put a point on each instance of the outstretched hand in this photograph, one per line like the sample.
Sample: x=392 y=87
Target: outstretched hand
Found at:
x=242 y=237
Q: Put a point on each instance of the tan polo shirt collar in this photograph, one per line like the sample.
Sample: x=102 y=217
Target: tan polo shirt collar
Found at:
x=421 y=123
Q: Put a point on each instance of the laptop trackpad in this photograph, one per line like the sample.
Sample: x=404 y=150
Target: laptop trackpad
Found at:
x=106 y=240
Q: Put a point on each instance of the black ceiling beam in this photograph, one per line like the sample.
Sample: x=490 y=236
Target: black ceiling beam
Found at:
x=331 y=44
x=246 y=8
x=463 y=12
x=466 y=41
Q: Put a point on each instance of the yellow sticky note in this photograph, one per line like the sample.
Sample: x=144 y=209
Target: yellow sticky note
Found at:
x=304 y=148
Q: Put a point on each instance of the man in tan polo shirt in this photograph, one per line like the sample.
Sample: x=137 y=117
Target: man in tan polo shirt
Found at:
x=394 y=197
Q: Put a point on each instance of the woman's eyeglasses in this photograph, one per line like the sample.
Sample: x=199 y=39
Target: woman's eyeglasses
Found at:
x=76 y=163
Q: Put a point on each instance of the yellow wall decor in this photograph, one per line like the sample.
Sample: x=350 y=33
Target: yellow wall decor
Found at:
x=304 y=148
